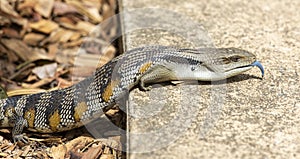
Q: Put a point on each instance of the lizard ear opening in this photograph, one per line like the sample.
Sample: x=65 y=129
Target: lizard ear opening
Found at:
x=193 y=68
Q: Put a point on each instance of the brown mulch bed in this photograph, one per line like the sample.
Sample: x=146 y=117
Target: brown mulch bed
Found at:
x=47 y=45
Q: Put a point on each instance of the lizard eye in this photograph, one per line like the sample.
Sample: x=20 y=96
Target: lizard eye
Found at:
x=235 y=58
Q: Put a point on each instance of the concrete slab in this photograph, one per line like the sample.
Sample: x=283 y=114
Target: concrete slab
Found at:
x=243 y=118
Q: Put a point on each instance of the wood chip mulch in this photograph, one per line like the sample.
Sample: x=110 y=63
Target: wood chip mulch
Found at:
x=52 y=44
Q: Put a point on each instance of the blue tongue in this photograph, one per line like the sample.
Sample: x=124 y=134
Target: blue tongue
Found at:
x=258 y=64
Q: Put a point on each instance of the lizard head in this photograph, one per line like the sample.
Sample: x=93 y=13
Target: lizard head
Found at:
x=210 y=64
x=228 y=62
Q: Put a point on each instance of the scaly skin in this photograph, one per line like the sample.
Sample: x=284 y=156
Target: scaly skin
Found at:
x=69 y=108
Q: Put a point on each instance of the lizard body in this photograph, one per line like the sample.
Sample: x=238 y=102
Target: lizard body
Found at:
x=66 y=109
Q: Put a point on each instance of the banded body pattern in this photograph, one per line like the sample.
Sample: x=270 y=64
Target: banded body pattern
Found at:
x=65 y=109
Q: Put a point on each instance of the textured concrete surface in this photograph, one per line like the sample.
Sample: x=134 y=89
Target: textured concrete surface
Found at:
x=244 y=118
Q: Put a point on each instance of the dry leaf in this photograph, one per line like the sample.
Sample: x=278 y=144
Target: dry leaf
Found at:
x=45 y=71
x=90 y=11
x=92 y=152
x=27 y=4
x=39 y=83
x=24 y=91
x=107 y=11
x=26 y=151
x=73 y=43
x=52 y=50
x=96 y=3
x=4 y=21
x=67 y=22
x=107 y=156
x=9 y=12
x=10 y=32
x=33 y=38
x=58 y=152
x=23 y=51
x=62 y=36
x=40 y=54
x=85 y=26
x=44 y=26
x=62 y=83
x=4 y=155
x=8 y=9
x=68 y=36
x=67 y=55
x=44 y=7
x=61 y=8
x=18 y=47
x=78 y=143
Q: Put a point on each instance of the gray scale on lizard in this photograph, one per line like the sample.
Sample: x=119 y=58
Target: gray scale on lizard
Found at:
x=69 y=108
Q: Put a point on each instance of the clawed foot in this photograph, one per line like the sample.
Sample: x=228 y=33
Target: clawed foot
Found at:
x=20 y=138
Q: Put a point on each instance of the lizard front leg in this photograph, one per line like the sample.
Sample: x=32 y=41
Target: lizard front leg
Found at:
x=19 y=124
x=155 y=74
